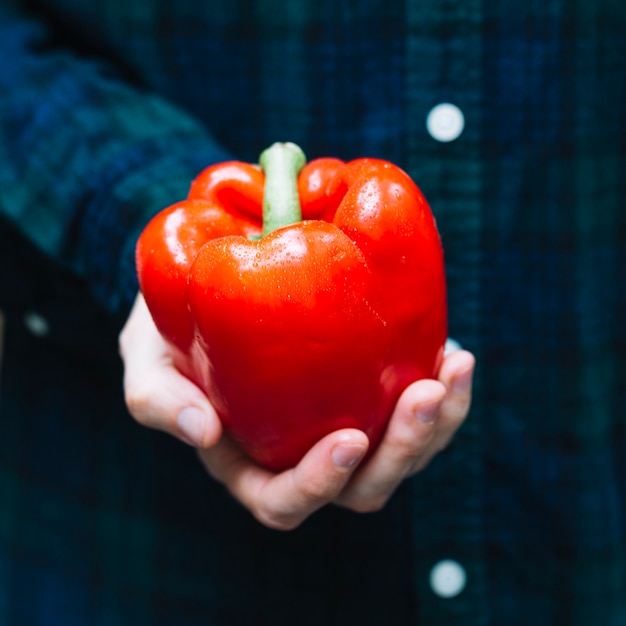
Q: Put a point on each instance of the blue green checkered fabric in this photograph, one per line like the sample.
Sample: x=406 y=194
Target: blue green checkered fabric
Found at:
x=108 y=109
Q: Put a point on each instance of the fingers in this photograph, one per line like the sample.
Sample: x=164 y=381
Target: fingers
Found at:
x=410 y=432
x=456 y=374
x=156 y=394
x=426 y=417
x=283 y=501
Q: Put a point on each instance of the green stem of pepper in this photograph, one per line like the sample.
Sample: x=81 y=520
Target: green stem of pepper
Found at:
x=281 y=163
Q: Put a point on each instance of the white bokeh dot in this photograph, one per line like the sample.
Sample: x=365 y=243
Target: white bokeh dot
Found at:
x=447 y=578
x=445 y=122
x=36 y=324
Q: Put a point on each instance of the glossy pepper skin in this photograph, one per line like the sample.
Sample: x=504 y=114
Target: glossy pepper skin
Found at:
x=314 y=326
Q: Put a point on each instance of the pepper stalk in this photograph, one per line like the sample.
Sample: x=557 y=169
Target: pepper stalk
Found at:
x=281 y=163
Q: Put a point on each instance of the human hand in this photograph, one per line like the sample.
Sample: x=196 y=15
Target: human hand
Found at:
x=425 y=419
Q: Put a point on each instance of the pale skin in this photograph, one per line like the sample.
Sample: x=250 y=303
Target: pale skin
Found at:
x=425 y=419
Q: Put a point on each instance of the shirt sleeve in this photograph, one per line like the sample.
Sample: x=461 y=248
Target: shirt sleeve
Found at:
x=86 y=157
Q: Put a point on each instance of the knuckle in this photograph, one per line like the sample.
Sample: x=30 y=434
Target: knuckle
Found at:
x=450 y=424
x=456 y=409
x=411 y=439
x=407 y=451
x=125 y=341
x=313 y=491
x=373 y=504
x=315 y=488
x=407 y=458
x=138 y=402
x=122 y=341
x=277 y=520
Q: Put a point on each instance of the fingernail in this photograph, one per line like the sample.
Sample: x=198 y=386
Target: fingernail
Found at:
x=427 y=414
x=346 y=456
x=463 y=381
x=191 y=422
x=451 y=345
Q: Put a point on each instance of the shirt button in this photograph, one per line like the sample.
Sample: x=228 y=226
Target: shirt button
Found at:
x=37 y=324
x=447 y=578
x=445 y=122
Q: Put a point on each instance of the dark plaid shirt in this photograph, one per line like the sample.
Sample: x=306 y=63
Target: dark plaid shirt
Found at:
x=108 y=108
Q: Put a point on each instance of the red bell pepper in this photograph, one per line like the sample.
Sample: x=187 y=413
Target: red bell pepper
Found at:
x=301 y=298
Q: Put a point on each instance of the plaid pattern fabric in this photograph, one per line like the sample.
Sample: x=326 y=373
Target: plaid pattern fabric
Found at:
x=109 y=108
